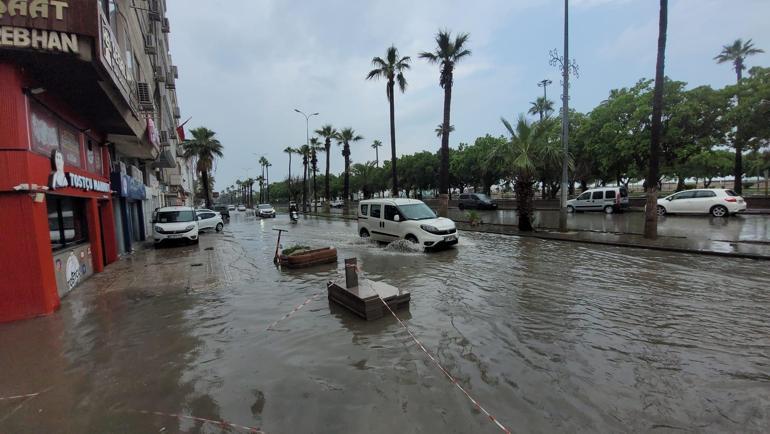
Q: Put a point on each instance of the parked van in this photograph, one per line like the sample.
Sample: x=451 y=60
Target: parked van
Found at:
x=409 y=219
x=607 y=199
x=174 y=223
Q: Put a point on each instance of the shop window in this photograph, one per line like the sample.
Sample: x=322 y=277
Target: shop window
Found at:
x=48 y=133
x=67 y=223
x=70 y=146
x=94 y=157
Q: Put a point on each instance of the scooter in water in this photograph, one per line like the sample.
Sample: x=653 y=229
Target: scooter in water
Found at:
x=294 y=216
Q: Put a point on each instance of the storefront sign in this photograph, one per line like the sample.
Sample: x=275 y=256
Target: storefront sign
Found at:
x=87 y=184
x=112 y=59
x=15 y=36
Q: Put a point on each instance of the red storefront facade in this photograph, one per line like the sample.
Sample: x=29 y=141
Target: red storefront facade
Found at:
x=66 y=108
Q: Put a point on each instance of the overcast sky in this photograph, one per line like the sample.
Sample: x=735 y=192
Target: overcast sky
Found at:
x=244 y=65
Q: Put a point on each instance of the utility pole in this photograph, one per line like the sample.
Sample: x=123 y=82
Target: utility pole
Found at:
x=544 y=84
x=565 y=123
x=307 y=142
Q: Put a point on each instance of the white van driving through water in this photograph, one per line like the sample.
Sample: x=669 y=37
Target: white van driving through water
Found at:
x=408 y=219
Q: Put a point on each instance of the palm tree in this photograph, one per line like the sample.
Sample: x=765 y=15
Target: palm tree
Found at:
x=651 y=209
x=304 y=150
x=268 y=165
x=289 y=150
x=205 y=148
x=328 y=133
x=522 y=156
x=315 y=145
x=344 y=137
x=392 y=69
x=239 y=184
x=249 y=183
x=262 y=164
x=261 y=181
x=447 y=53
x=737 y=53
x=365 y=174
x=440 y=129
x=376 y=145
x=541 y=106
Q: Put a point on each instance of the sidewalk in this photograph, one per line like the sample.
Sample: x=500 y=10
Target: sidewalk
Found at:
x=734 y=249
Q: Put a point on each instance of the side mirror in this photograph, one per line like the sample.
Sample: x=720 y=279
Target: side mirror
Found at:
x=396 y=218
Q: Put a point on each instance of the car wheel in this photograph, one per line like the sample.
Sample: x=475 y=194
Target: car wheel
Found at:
x=719 y=211
x=219 y=227
x=661 y=210
x=412 y=239
x=364 y=233
x=609 y=209
x=570 y=209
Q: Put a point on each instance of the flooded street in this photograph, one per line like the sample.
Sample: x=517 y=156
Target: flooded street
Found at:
x=548 y=336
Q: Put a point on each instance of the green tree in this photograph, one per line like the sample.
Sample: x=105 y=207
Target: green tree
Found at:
x=542 y=107
x=736 y=53
x=376 y=145
x=315 y=147
x=205 y=148
x=328 y=133
x=392 y=69
x=447 y=53
x=365 y=178
x=304 y=150
x=344 y=137
x=289 y=150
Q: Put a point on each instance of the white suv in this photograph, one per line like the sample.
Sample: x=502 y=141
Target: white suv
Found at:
x=410 y=219
x=716 y=201
x=175 y=223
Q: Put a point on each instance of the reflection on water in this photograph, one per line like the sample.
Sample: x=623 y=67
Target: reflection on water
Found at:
x=548 y=336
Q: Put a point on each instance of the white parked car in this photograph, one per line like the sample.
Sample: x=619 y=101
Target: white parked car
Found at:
x=337 y=203
x=716 y=201
x=231 y=207
x=409 y=219
x=241 y=207
x=174 y=223
x=607 y=199
x=208 y=219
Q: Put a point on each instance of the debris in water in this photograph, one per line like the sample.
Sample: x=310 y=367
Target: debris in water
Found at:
x=367 y=300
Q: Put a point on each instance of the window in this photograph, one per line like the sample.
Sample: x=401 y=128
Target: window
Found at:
x=597 y=195
x=704 y=193
x=609 y=194
x=49 y=134
x=66 y=221
x=731 y=193
x=417 y=211
x=584 y=196
x=70 y=145
x=390 y=212
x=375 y=211
x=684 y=195
x=175 y=216
x=364 y=209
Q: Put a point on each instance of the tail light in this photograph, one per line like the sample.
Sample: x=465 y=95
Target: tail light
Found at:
x=731 y=199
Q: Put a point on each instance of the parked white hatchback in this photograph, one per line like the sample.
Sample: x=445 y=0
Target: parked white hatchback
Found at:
x=209 y=219
x=717 y=201
x=409 y=219
x=174 y=223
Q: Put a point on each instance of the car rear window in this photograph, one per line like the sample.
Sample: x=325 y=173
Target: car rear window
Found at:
x=365 y=209
x=375 y=212
x=609 y=194
x=731 y=193
x=597 y=195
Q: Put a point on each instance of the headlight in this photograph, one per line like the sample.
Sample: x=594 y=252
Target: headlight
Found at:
x=189 y=228
x=158 y=229
x=429 y=228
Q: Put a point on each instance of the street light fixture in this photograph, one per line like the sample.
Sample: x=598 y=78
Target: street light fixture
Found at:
x=544 y=84
x=307 y=142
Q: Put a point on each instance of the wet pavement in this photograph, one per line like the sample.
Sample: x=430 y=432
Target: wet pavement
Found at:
x=549 y=337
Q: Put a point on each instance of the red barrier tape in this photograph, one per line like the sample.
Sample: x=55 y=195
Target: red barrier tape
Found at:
x=29 y=395
x=293 y=311
x=220 y=423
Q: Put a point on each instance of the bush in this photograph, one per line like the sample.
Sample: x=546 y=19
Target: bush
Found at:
x=297 y=248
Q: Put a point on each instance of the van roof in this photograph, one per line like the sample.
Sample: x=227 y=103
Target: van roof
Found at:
x=392 y=201
x=605 y=188
x=175 y=208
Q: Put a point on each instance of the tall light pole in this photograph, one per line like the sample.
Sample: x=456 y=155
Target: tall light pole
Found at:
x=307 y=140
x=565 y=123
x=544 y=84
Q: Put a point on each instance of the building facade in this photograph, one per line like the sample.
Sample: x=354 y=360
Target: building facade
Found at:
x=88 y=141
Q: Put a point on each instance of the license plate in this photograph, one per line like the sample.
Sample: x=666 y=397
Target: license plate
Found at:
x=175 y=236
x=450 y=238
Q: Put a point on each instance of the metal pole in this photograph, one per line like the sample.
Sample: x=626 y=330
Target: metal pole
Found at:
x=307 y=142
x=565 y=123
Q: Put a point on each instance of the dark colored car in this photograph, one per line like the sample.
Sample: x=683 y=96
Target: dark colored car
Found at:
x=223 y=210
x=476 y=201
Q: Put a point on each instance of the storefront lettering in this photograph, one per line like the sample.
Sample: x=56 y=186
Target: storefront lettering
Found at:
x=87 y=184
x=33 y=8
x=19 y=37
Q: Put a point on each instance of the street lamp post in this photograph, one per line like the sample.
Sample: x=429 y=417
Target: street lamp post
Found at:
x=307 y=141
x=544 y=84
x=565 y=123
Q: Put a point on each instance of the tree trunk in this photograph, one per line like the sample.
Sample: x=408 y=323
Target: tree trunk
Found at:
x=206 y=186
x=328 y=146
x=651 y=210
x=680 y=185
x=524 y=205
x=393 y=171
x=304 y=185
x=346 y=183
x=315 y=196
x=443 y=176
x=738 y=169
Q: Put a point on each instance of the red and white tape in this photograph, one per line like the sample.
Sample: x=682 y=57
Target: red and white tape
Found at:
x=29 y=395
x=293 y=311
x=220 y=423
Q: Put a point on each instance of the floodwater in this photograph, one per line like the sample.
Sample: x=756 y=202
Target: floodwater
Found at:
x=547 y=336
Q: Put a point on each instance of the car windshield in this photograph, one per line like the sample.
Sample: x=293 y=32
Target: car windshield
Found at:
x=265 y=206
x=175 y=216
x=417 y=211
x=483 y=197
